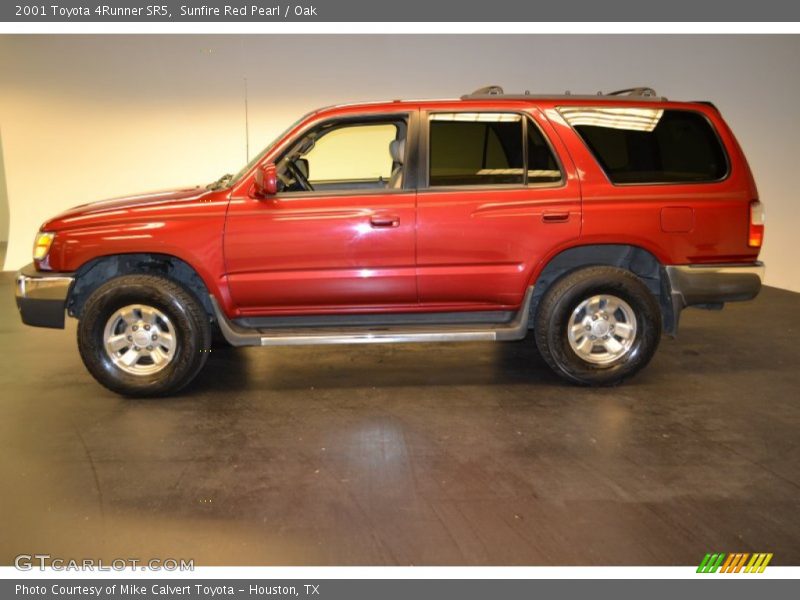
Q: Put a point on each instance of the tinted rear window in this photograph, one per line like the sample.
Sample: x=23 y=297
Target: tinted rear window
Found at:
x=476 y=149
x=480 y=148
x=647 y=145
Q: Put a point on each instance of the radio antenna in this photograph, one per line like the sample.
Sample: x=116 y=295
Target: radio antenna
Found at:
x=246 y=125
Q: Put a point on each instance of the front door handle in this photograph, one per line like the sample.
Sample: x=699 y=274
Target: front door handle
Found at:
x=384 y=221
x=555 y=217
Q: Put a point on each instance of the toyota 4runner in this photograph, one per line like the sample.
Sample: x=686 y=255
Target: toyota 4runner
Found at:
x=591 y=220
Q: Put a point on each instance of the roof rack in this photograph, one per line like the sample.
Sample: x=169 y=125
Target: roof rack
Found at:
x=646 y=92
x=489 y=90
x=634 y=93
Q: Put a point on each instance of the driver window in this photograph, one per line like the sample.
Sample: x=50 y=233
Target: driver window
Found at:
x=350 y=156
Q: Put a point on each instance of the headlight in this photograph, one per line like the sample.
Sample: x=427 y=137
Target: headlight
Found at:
x=41 y=246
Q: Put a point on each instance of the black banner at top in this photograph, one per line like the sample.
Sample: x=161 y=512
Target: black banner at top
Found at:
x=245 y=11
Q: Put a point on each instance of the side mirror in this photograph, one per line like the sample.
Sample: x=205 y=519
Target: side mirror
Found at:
x=266 y=181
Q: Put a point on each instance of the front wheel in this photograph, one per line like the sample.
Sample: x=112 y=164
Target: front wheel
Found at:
x=598 y=325
x=143 y=335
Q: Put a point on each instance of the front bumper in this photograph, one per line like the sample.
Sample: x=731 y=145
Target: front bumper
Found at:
x=42 y=296
x=713 y=285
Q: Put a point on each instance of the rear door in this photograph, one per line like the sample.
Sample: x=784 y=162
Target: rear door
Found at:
x=498 y=192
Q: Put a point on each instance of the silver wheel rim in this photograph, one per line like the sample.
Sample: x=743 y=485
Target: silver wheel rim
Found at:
x=602 y=329
x=140 y=339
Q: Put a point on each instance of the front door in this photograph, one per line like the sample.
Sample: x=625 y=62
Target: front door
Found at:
x=339 y=235
x=497 y=200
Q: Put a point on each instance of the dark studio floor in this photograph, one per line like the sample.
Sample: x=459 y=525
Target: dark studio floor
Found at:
x=422 y=454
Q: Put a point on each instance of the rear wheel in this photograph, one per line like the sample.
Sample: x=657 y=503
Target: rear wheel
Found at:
x=143 y=335
x=598 y=325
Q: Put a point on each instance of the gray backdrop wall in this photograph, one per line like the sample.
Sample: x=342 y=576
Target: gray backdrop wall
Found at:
x=89 y=117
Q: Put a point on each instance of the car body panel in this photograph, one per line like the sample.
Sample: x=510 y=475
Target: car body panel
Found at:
x=311 y=253
x=186 y=225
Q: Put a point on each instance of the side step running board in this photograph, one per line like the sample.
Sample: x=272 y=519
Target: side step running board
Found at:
x=516 y=329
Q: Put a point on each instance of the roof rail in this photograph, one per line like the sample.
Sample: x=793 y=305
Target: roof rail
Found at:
x=493 y=91
x=489 y=90
x=647 y=92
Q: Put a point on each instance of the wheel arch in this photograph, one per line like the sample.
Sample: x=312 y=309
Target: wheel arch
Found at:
x=97 y=271
x=636 y=259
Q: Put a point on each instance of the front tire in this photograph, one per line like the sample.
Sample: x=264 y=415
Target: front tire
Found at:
x=143 y=335
x=597 y=326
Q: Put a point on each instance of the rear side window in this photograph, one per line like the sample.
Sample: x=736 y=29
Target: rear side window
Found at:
x=476 y=149
x=542 y=165
x=481 y=148
x=649 y=145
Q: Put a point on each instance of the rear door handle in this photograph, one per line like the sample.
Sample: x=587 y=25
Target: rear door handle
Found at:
x=384 y=221
x=555 y=217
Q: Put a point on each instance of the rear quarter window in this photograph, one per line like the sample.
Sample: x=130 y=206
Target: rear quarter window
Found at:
x=650 y=145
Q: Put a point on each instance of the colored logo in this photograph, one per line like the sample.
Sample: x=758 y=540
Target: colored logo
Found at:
x=739 y=562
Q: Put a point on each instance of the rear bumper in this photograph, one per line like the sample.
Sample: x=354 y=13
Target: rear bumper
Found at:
x=42 y=296
x=712 y=285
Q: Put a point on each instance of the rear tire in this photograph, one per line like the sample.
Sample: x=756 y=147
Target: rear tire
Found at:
x=143 y=335
x=597 y=326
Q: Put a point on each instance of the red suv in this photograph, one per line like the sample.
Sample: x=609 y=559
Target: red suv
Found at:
x=591 y=220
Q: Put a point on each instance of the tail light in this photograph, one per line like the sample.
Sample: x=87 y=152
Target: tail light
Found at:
x=755 y=236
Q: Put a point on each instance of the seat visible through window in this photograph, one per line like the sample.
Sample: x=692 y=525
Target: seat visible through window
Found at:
x=397 y=149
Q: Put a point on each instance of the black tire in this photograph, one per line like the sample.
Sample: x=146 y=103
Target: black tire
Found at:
x=186 y=314
x=566 y=294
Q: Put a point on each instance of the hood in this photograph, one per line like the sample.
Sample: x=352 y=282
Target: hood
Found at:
x=119 y=206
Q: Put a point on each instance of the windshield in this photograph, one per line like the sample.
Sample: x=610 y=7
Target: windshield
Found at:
x=228 y=180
